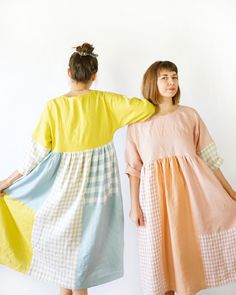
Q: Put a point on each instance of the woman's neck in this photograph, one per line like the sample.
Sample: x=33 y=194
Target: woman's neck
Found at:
x=166 y=106
x=78 y=88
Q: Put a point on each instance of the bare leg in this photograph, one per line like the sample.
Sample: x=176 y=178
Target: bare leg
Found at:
x=65 y=291
x=170 y=293
x=80 y=292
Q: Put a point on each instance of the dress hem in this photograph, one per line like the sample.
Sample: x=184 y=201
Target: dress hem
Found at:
x=103 y=280
x=194 y=292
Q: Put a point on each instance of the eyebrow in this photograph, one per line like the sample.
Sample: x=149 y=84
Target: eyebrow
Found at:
x=167 y=75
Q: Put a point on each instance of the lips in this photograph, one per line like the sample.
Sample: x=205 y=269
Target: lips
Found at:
x=171 y=89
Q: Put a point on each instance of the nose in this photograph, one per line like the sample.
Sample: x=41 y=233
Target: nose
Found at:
x=170 y=82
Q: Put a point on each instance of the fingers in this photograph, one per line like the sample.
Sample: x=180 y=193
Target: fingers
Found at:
x=137 y=220
x=141 y=220
x=2 y=193
x=133 y=219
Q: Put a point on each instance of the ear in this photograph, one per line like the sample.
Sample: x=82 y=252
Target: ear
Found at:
x=93 y=77
x=69 y=72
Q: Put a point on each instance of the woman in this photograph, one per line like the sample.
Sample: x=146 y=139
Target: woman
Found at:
x=186 y=209
x=65 y=211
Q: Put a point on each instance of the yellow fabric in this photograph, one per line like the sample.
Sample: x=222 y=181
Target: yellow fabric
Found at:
x=15 y=234
x=70 y=124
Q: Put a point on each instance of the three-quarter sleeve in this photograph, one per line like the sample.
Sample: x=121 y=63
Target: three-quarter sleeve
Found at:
x=133 y=160
x=129 y=110
x=40 y=144
x=205 y=146
x=42 y=133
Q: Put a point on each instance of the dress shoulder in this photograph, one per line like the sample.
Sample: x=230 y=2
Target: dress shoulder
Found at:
x=188 y=109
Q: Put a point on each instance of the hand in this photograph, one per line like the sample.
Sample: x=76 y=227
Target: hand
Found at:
x=3 y=185
x=136 y=216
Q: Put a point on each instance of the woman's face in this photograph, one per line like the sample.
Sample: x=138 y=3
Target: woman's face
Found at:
x=167 y=83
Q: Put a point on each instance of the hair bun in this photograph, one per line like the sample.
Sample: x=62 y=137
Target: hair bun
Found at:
x=84 y=48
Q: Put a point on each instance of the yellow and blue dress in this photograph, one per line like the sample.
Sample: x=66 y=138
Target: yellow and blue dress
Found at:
x=63 y=220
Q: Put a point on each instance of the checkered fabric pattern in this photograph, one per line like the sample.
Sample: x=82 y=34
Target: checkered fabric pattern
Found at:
x=89 y=176
x=103 y=179
x=150 y=236
x=35 y=153
x=210 y=156
x=219 y=257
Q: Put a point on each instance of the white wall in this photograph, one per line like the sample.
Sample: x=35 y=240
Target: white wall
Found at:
x=35 y=44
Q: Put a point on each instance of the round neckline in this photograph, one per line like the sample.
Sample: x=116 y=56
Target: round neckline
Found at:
x=78 y=95
x=170 y=113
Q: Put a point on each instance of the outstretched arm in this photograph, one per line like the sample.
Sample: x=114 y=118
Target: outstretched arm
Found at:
x=9 y=181
x=225 y=184
x=38 y=149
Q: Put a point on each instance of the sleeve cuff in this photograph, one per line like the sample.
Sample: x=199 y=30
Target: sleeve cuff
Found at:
x=131 y=171
x=210 y=156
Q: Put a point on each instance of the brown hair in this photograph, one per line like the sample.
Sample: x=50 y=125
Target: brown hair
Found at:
x=83 y=63
x=149 y=85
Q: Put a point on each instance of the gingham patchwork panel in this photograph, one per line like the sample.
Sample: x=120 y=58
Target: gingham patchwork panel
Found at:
x=81 y=178
x=210 y=156
x=150 y=236
x=219 y=257
x=34 y=154
x=103 y=178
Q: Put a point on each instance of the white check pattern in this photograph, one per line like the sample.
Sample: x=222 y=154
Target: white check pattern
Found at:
x=35 y=153
x=150 y=236
x=89 y=176
x=103 y=170
x=219 y=257
x=210 y=156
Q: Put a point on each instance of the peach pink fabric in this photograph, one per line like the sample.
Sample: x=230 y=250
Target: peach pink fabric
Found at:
x=188 y=242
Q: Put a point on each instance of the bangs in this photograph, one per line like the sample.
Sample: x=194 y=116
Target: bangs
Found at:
x=167 y=65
